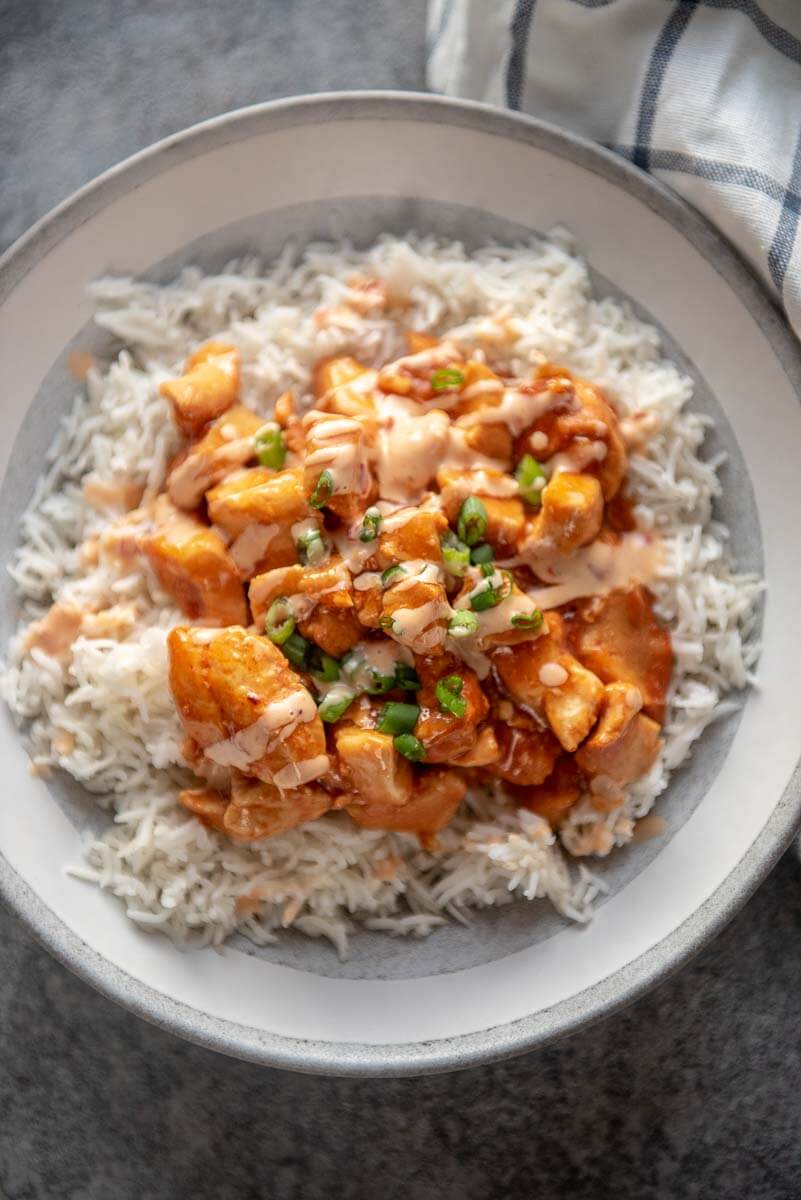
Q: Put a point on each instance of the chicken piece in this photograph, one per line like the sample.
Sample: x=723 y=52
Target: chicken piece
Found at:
x=336 y=372
x=526 y=754
x=193 y=566
x=335 y=630
x=417 y=537
x=322 y=601
x=445 y=736
x=258 y=496
x=289 y=422
x=371 y=768
x=619 y=638
x=207 y=805
x=415 y=613
x=259 y=810
x=624 y=744
x=544 y=676
x=260 y=548
x=208 y=386
x=569 y=516
x=483 y=390
x=226 y=445
x=484 y=751
x=412 y=374
x=337 y=472
x=55 y=632
x=416 y=341
x=369 y=604
x=438 y=793
x=553 y=799
x=244 y=706
x=344 y=387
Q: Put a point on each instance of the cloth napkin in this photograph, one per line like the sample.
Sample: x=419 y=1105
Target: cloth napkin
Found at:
x=704 y=94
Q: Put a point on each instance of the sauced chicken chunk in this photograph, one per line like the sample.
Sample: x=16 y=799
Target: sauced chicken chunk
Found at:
x=570 y=514
x=337 y=472
x=414 y=375
x=445 y=735
x=624 y=743
x=527 y=753
x=244 y=706
x=207 y=804
x=194 y=567
x=226 y=445
x=345 y=387
x=370 y=766
x=258 y=496
x=258 y=810
x=438 y=792
x=412 y=536
x=208 y=386
x=415 y=613
x=506 y=514
x=543 y=675
x=619 y=638
x=321 y=598
x=553 y=799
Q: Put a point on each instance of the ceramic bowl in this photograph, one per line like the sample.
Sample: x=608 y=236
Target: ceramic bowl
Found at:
x=356 y=165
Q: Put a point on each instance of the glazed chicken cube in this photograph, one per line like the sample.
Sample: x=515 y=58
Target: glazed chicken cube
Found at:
x=412 y=374
x=193 y=566
x=619 y=638
x=323 y=603
x=208 y=386
x=417 y=537
x=244 y=706
x=337 y=471
x=415 y=613
x=258 y=496
x=370 y=766
x=624 y=744
x=332 y=373
x=484 y=750
x=345 y=387
x=527 y=754
x=445 y=735
x=569 y=516
x=544 y=676
x=506 y=515
x=553 y=799
x=207 y=804
x=225 y=446
x=438 y=793
x=259 y=810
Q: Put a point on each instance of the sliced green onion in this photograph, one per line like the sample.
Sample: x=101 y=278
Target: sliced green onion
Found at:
x=322 y=666
x=449 y=695
x=336 y=703
x=379 y=684
x=295 y=648
x=455 y=555
x=491 y=595
x=445 y=378
x=410 y=747
x=385 y=622
x=531 y=620
x=481 y=554
x=323 y=490
x=487 y=569
x=406 y=678
x=463 y=624
x=398 y=718
x=531 y=480
x=312 y=550
x=392 y=574
x=472 y=522
x=370 y=525
x=279 y=624
x=268 y=443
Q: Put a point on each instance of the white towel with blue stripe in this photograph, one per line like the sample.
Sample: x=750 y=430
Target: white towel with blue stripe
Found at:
x=704 y=94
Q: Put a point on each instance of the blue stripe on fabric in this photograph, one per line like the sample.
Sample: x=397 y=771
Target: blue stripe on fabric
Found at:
x=781 y=248
x=717 y=171
x=444 y=17
x=658 y=64
x=776 y=35
x=516 y=67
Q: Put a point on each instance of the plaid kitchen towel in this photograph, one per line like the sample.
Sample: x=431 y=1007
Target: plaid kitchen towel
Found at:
x=704 y=94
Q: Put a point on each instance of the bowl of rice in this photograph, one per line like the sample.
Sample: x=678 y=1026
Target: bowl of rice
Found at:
x=451 y=256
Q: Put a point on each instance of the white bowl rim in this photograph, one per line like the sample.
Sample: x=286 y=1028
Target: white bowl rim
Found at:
x=654 y=965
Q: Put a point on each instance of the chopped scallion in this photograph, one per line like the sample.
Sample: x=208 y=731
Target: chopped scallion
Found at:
x=295 y=648
x=531 y=620
x=336 y=703
x=322 y=666
x=392 y=574
x=449 y=695
x=410 y=747
x=398 y=718
x=268 y=443
x=323 y=490
x=481 y=554
x=406 y=678
x=472 y=522
x=371 y=524
x=279 y=624
x=463 y=624
x=530 y=479
x=446 y=378
x=455 y=555
x=312 y=550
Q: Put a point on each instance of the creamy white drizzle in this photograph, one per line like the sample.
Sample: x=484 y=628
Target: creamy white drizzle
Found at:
x=596 y=570
x=251 y=545
x=517 y=409
x=417 y=626
x=295 y=774
x=410 y=447
x=354 y=554
x=366 y=581
x=277 y=722
x=579 y=455
x=189 y=479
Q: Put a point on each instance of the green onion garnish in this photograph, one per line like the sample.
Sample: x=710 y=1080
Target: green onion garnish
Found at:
x=462 y=624
x=370 y=525
x=481 y=554
x=410 y=747
x=531 y=480
x=311 y=548
x=406 y=678
x=392 y=574
x=336 y=703
x=449 y=695
x=446 y=378
x=472 y=523
x=398 y=718
x=279 y=624
x=323 y=490
x=385 y=622
x=268 y=443
x=487 y=569
x=322 y=666
x=378 y=683
x=295 y=648
x=455 y=555
x=531 y=620
x=491 y=595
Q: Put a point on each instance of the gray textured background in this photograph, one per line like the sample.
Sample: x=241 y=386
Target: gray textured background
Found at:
x=693 y=1092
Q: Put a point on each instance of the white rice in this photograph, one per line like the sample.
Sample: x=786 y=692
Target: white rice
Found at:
x=328 y=878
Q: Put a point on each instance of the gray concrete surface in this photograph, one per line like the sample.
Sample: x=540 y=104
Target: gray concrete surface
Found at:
x=692 y=1092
